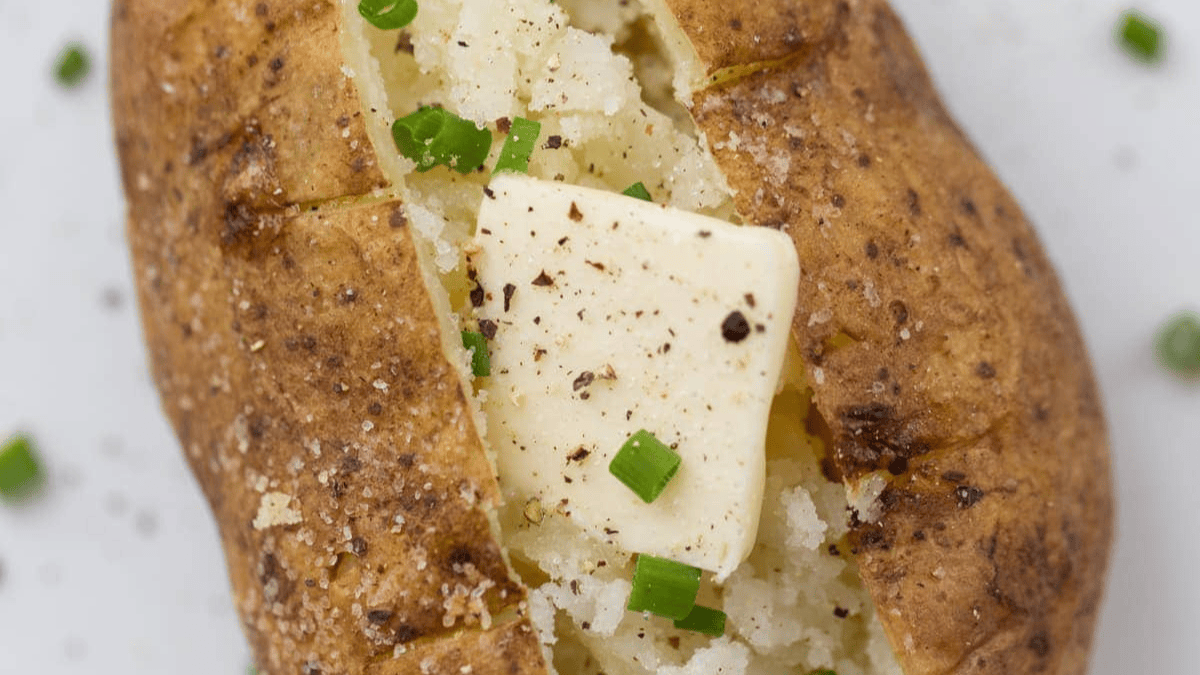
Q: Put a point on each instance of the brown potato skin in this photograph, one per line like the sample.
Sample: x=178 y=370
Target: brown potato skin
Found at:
x=270 y=292
x=967 y=380
x=269 y=326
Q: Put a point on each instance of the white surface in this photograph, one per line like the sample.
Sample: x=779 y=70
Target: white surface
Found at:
x=648 y=286
x=117 y=571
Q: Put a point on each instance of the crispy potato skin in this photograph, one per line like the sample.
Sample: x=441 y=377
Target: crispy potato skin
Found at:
x=966 y=380
x=297 y=351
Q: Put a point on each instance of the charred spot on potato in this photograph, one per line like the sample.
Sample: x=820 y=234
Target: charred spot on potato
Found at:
x=873 y=437
x=240 y=223
x=867 y=537
x=967 y=496
x=914 y=202
x=954 y=477
x=956 y=239
x=338 y=487
x=197 y=153
x=258 y=427
x=899 y=311
x=1039 y=644
x=397 y=220
x=459 y=556
x=985 y=370
x=379 y=616
x=406 y=633
x=277 y=587
x=872 y=250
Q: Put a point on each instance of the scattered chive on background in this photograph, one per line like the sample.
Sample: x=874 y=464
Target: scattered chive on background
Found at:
x=664 y=587
x=20 y=472
x=514 y=156
x=437 y=137
x=388 y=14
x=645 y=465
x=73 y=65
x=637 y=190
x=1178 y=344
x=1140 y=36
x=481 y=363
x=704 y=620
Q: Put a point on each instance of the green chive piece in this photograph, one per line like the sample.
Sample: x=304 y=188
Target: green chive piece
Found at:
x=645 y=465
x=388 y=14
x=703 y=620
x=823 y=672
x=637 y=190
x=72 y=66
x=664 y=587
x=481 y=364
x=436 y=137
x=514 y=156
x=1140 y=36
x=1178 y=344
x=20 y=473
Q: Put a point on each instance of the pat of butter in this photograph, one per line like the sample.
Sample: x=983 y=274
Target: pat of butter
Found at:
x=611 y=315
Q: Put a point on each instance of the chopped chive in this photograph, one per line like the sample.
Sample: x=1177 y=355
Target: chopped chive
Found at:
x=434 y=136
x=19 y=470
x=1140 y=36
x=481 y=364
x=72 y=65
x=645 y=465
x=823 y=672
x=514 y=156
x=703 y=620
x=388 y=14
x=664 y=587
x=637 y=190
x=1178 y=344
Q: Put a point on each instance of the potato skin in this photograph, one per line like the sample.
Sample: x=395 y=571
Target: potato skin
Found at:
x=270 y=290
x=966 y=380
x=297 y=351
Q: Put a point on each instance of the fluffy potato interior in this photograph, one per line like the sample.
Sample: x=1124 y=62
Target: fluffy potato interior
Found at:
x=596 y=77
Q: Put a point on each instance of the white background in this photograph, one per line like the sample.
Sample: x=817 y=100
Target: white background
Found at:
x=115 y=570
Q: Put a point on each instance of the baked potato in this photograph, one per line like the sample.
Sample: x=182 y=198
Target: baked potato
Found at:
x=302 y=286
